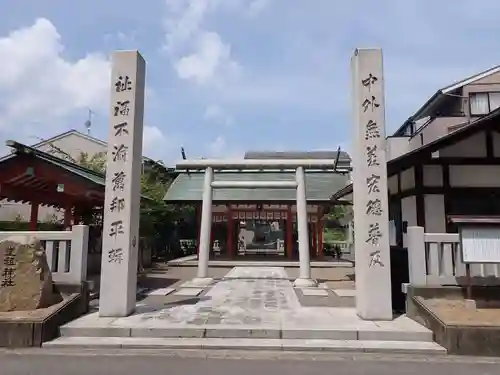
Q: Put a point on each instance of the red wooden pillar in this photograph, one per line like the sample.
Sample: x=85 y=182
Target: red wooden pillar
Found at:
x=230 y=231
x=289 y=233
x=34 y=216
x=320 y=237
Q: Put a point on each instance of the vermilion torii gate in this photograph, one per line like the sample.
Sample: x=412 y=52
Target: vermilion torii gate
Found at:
x=299 y=184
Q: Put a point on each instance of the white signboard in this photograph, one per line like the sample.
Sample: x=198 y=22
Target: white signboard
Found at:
x=480 y=244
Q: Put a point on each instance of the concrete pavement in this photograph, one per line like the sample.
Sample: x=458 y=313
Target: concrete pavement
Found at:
x=251 y=307
x=88 y=362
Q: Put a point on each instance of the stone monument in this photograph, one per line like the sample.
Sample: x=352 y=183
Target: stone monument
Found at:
x=123 y=176
x=370 y=196
x=25 y=276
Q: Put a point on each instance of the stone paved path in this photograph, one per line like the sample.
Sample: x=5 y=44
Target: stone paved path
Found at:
x=250 y=308
x=257 y=302
x=247 y=295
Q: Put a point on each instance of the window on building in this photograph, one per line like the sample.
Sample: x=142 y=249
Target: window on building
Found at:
x=482 y=103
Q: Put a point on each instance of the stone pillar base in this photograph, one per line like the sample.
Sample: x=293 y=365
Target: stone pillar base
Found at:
x=305 y=283
x=202 y=281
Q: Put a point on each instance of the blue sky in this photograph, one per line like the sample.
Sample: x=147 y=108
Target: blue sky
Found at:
x=225 y=76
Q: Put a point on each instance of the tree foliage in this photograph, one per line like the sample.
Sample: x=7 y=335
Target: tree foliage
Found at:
x=156 y=218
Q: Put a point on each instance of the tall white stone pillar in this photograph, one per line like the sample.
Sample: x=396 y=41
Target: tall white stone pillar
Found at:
x=206 y=227
x=304 y=279
x=370 y=194
x=123 y=175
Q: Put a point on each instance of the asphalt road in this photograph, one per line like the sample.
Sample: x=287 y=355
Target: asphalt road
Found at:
x=51 y=362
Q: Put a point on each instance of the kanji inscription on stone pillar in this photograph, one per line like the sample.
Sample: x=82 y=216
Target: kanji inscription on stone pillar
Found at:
x=370 y=197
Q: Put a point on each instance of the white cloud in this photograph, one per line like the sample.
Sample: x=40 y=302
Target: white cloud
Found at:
x=197 y=54
x=257 y=6
x=122 y=40
x=37 y=83
x=217 y=147
x=183 y=21
x=216 y=114
x=220 y=148
x=154 y=143
x=210 y=62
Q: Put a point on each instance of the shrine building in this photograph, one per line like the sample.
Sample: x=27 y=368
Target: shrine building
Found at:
x=263 y=221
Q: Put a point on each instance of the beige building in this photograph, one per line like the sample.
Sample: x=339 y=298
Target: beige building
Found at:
x=444 y=161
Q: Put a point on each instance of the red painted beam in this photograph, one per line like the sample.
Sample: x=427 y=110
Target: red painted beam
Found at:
x=23 y=194
x=15 y=169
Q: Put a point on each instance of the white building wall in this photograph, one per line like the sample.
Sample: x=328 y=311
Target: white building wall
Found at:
x=408 y=213
x=435 y=218
x=397 y=146
x=433 y=175
x=475 y=175
x=73 y=144
x=407 y=179
x=392 y=184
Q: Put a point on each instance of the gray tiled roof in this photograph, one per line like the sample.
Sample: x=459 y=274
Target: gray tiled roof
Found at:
x=319 y=186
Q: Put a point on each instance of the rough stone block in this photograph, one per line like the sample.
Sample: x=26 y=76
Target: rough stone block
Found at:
x=25 y=276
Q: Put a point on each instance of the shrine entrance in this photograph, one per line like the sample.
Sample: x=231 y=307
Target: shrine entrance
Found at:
x=263 y=231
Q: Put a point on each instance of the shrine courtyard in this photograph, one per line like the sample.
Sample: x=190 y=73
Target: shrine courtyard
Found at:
x=247 y=307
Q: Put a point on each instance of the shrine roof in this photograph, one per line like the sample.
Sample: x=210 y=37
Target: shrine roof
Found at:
x=88 y=174
x=28 y=175
x=188 y=187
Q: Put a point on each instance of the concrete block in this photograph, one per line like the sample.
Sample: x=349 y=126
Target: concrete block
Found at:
x=189 y=292
x=243 y=333
x=84 y=342
x=402 y=347
x=345 y=292
x=314 y=292
x=174 y=332
x=332 y=334
x=322 y=345
x=394 y=335
x=95 y=331
x=161 y=292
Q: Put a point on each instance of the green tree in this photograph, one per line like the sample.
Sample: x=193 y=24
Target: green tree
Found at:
x=157 y=219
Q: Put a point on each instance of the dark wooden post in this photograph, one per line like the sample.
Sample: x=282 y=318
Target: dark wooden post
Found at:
x=320 y=235
x=314 y=229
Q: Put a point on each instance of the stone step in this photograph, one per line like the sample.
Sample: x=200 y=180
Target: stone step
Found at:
x=249 y=332
x=368 y=346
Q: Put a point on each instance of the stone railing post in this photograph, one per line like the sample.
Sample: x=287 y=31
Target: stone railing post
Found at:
x=416 y=256
x=79 y=253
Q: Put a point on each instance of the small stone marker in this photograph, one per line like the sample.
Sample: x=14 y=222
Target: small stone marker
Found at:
x=25 y=277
